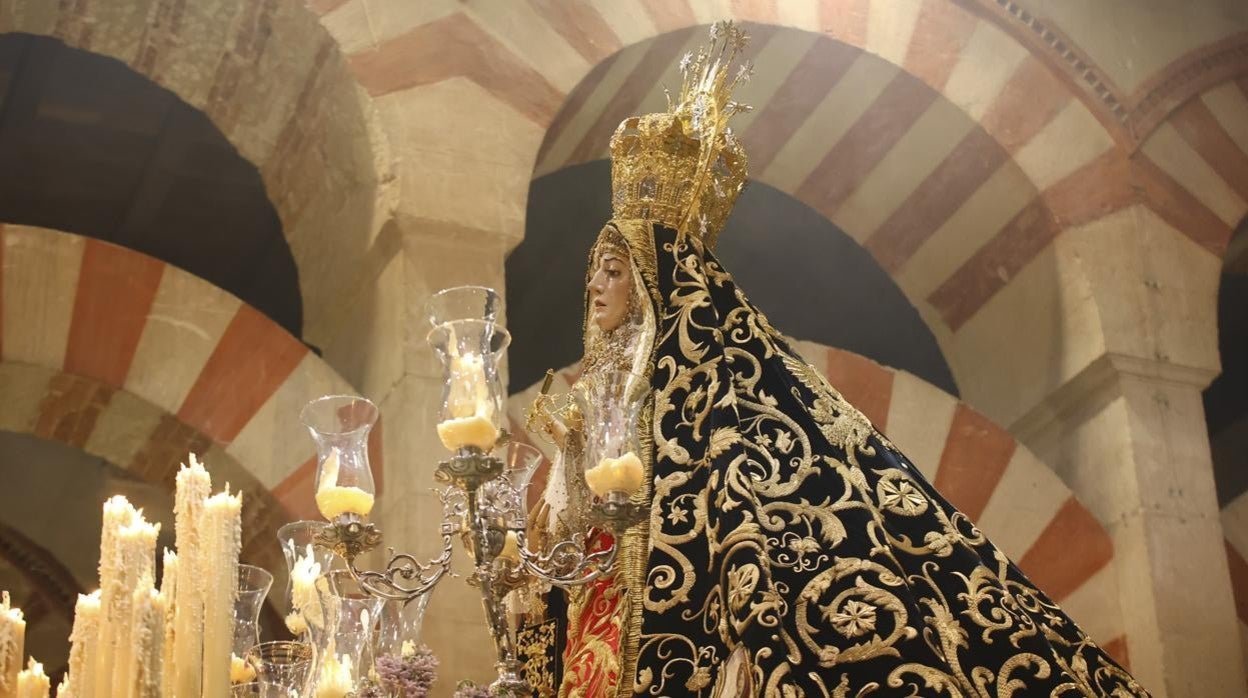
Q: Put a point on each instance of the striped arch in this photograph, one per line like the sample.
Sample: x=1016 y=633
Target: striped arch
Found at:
x=53 y=588
x=139 y=362
x=931 y=187
x=920 y=127
x=1015 y=498
x=952 y=196
x=958 y=140
x=1235 y=528
x=1202 y=149
x=1044 y=111
x=276 y=85
x=44 y=588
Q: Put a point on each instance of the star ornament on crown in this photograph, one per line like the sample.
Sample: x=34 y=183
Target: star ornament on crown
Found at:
x=683 y=168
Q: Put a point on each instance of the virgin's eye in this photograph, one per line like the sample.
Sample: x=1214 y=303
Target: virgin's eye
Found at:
x=613 y=273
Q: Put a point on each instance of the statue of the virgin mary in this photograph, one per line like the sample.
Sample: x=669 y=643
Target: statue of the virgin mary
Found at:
x=790 y=548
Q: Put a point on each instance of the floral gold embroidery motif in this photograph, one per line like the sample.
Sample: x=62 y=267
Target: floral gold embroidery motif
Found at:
x=536 y=644
x=783 y=524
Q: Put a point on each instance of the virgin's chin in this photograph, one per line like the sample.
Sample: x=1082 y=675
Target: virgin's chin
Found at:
x=606 y=324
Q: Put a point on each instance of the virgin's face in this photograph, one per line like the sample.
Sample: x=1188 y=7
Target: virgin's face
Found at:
x=609 y=288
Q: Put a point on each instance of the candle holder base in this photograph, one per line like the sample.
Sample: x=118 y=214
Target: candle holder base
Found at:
x=504 y=576
x=469 y=469
x=510 y=683
x=349 y=536
x=616 y=513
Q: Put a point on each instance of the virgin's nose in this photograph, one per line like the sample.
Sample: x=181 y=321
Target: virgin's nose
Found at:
x=597 y=283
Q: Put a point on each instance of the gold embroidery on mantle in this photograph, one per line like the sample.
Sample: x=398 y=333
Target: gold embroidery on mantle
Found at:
x=841 y=517
x=537 y=644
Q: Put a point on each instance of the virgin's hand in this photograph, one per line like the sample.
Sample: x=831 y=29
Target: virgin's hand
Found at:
x=569 y=427
x=558 y=431
x=538 y=526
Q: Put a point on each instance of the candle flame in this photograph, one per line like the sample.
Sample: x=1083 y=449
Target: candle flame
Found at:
x=329 y=470
x=337 y=677
x=303 y=594
x=7 y=608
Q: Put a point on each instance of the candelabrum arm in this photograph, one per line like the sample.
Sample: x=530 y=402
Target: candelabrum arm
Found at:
x=404 y=578
x=568 y=563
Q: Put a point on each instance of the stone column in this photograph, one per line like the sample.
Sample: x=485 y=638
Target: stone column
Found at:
x=403 y=376
x=459 y=195
x=1127 y=432
x=1129 y=437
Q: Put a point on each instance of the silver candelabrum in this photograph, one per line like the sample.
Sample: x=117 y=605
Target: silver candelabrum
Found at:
x=484 y=491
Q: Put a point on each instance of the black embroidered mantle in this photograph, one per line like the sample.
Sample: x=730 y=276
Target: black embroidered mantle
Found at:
x=789 y=542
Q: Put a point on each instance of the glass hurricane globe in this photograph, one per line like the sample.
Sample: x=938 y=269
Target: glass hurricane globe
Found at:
x=610 y=403
x=463 y=303
x=471 y=415
x=340 y=424
x=283 y=668
x=253 y=586
x=296 y=539
x=507 y=495
x=352 y=615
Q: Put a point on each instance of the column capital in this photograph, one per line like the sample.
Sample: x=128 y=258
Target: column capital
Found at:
x=421 y=230
x=1095 y=386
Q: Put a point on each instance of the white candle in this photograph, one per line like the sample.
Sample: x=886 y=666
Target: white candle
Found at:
x=304 y=600
x=334 y=500
x=168 y=593
x=611 y=474
x=148 y=639
x=475 y=430
x=84 y=642
x=127 y=543
x=32 y=682
x=240 y=670
x=471 y=420
x=118 y=514
x=12 y=645
x=337 y=677
x=597 y=479
x=628 y=472
x=470 y=392
x=222 y=530
x=193 y=488
x=136 y=550
x=296 y=624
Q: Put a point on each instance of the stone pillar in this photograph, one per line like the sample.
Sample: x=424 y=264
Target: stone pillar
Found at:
x=459 y=193
x=1129 y=438
x=1127 y=432
x=384 y=342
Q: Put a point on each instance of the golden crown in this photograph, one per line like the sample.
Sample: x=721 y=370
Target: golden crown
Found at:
x=683 y=168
